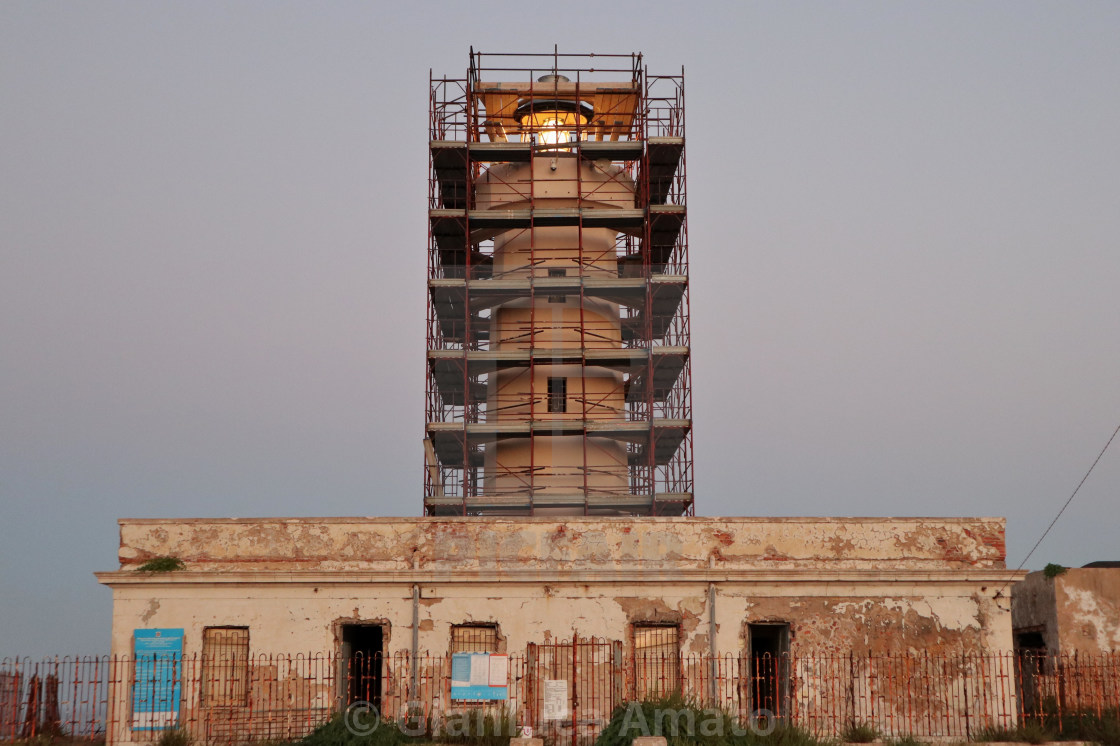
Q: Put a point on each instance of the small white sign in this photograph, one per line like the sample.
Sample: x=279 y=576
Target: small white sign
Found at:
x=499 y=670
x=555 y=699
x=480 y=670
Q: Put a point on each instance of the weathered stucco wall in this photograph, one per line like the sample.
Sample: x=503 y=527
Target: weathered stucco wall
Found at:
x=858 y=616
x=547 y=545
x=1077 y=611
x=875 y=584
x=1088 y=609
x=1033 y=609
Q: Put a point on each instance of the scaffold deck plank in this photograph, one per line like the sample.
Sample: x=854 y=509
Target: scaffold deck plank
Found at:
x=450 y=297
x=450 y=159
x=663 y=161
x=663 y=435
x=449 y=228
x=453 y=370
x=665 y=223
x=662 y=503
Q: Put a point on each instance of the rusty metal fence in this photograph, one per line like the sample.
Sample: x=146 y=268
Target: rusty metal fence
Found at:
x=566 y=691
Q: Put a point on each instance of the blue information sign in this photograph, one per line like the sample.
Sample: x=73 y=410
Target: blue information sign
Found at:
x=479 y=676
x=156 y=690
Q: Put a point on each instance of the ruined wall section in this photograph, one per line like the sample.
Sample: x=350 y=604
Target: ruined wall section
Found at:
x=1033 y=609
x=1087 y=607
x=548 y=545
x=1076 y=612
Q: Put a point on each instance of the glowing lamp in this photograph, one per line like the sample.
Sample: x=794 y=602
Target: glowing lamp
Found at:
x=554 y=122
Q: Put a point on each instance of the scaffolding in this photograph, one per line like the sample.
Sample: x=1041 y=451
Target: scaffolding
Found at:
x=558 y=373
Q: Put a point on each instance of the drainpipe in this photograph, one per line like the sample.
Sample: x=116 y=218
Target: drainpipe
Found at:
x=416 y=643
x=415 y=635
x=713 y=689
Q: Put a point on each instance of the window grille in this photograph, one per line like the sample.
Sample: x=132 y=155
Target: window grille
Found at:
x=225 y=666
x=474 y=638
x=557 y=394
x=656 y=660
x=557 y=272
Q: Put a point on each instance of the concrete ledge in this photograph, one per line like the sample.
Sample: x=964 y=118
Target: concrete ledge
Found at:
x=464 y=545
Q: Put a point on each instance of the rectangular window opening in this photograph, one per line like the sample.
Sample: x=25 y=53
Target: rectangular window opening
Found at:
x=225 y=666
x=557 y=394
x=474 y=638
x=557 y=272
x=656 y=660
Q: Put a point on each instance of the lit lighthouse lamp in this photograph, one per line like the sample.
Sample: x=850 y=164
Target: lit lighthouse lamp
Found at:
x=554 y=122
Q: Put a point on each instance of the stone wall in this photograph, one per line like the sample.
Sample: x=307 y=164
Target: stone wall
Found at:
x=1077 y=611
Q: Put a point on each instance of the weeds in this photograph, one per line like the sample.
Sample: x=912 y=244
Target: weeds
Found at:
x=335 y=732
x=162 y=564
x=478 y=727
x=860 y=733
x=1027 y=733
x=1053 y=570
x=1084 y=726
x=175 y=737
x=683 y=722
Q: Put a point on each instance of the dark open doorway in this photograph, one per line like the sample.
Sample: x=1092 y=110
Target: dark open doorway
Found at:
x=769 y=667
x=1032 y=666
x=362 y=653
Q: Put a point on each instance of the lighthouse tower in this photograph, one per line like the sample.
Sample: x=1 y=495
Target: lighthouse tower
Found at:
x=558 y=351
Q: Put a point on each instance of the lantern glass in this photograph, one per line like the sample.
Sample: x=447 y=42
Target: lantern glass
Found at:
x=553 y=127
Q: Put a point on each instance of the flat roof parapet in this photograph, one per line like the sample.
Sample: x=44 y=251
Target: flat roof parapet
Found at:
x=570 y=543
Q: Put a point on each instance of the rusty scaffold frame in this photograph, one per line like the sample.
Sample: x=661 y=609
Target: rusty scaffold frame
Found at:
x=636 y=133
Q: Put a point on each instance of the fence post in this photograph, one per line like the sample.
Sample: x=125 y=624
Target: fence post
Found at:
x=964 y=687
x=1076 y=684
x=575 y=685
x=713 y=666
x=852 y=712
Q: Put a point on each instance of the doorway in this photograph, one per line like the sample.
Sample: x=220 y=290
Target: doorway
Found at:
x=768 y=659
x=361 y=661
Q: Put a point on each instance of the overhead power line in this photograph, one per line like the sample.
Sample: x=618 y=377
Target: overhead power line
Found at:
x=1059 y=515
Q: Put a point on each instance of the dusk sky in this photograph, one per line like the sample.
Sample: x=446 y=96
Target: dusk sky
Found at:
x=904 y=234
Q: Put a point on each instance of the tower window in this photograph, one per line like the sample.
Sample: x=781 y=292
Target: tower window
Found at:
x=557 y=272
x=557 y=394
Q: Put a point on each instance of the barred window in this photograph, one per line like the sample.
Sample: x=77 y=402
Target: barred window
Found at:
x=225 y=666
x=557 y=394
x=557 y=272
x=474 y=638
x=656 y=659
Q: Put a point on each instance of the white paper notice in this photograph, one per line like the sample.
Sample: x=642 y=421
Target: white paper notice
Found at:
x=555 y=699
x=499 y=670
x=480 y=670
